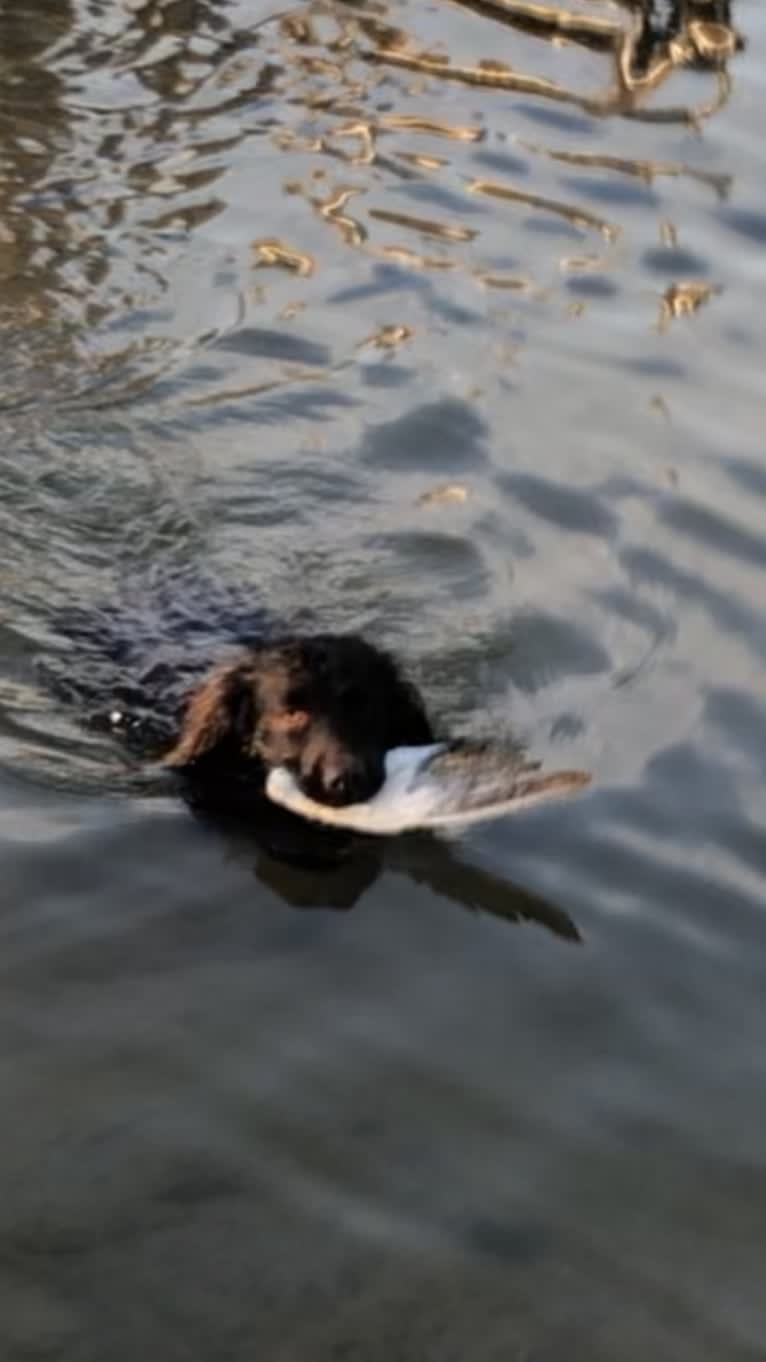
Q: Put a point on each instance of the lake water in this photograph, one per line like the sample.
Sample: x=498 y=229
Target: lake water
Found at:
x=441 y=322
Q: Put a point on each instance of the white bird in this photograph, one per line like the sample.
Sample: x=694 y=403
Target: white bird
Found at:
x=441 y=785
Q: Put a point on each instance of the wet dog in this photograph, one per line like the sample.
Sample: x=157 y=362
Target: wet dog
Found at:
x=182 y=670
x=328 y=707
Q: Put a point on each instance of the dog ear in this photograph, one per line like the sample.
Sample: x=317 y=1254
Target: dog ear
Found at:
x=220 y=708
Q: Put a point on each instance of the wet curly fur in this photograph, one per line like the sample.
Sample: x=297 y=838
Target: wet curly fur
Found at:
x=142 y=668
x=328 y=707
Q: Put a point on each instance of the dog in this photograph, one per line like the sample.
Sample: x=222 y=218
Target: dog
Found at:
x=328 y=707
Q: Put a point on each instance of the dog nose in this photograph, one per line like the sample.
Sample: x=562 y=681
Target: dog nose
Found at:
x=347 y=784
x=328 y=783
x=339 y=789
x=339 y=778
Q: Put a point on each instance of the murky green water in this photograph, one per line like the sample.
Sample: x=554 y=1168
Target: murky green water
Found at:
x=468 y=356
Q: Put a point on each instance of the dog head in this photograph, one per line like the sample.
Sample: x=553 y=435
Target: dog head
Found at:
x=327 y=707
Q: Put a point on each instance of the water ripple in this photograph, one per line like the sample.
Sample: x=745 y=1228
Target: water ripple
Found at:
x=438 y=322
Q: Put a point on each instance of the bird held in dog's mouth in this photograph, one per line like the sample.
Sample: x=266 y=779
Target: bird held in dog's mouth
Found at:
x=439 y=785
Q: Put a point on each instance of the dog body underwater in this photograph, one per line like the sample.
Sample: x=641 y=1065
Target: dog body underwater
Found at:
x=186 y=672
x=311 y=740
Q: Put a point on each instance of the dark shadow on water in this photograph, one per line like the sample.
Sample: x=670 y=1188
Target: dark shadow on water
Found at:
x=261 y=342
x=310 y=867
x=673 y=261
x=567 y=507
x=448 y=434
x=592 y=286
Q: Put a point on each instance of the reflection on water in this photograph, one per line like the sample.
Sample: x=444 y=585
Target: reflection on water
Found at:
x=646 y=52
x=435 y=322
x=343 y=878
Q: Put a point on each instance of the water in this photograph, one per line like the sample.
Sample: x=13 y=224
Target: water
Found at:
x=501 y=1098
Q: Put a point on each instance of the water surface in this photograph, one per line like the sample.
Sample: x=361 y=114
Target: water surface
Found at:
x=439 y=322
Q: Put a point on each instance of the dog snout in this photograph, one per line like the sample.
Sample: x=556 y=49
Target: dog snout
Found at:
x=351 y=781
x=338 y=789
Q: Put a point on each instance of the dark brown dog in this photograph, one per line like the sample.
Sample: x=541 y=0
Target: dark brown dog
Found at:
x=327 y=707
